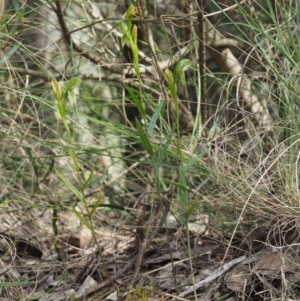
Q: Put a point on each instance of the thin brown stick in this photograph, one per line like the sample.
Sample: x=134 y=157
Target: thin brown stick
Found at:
x=201 y=51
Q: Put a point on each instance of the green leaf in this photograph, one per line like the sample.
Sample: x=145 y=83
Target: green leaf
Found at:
x=163 y=152
x=32 y=160
x=124 y=28
x=144 y=139
x=89 y=179
x=154 y=118
x=74 y=190
x=181 y=187
x=183 y=193
x=193 y=161
x=111 y=206
x=72 y=98
x=5 y=203
x=73 y=155
x=81 y=218
x=125 y=41
x=182 y=66
x=136 y=101
x=61 y=105
x=16 y=5
x=191 y=209
x=96 y=205
x=14 y=284
x=50 y=168
x=135 y=53
x=5 y=57
x=73 y=83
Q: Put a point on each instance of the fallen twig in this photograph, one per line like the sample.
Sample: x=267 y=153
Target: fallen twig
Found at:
x=216 y=274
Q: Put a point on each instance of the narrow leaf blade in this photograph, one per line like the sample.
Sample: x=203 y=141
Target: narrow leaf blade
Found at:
x=144 y=139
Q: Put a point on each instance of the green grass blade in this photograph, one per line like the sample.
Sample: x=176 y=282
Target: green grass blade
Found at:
x=163 y=152
x=75 y=191
x=136 y=101
x=14 y=284
x=89 y=179
x=154 y=118
x=81 y=218
x=144 y=139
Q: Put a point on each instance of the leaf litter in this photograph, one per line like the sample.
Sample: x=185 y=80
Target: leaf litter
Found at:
x=72 y=265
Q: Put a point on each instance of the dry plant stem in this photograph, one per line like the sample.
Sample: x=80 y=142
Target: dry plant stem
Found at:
x=148 y=241
x=251 y=194
x=149 y=39
x=109 y=78
x=113 y=180
x=156 y=66
x=93 y=59
x=67 y=36
x=137 y=259
x=186 y=118
x=267 y=284
x=228 y=63
x=175 y=297
x=201 y=51
x=2 y=5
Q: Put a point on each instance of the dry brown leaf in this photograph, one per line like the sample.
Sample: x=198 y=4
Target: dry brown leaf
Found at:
x=271 y=264
x=238 y=278
x=88 y=283
x=112 y=297
x=85 y=237
x=58 y=296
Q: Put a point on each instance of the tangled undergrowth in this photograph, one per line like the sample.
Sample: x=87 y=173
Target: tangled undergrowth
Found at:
x=149 y=151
